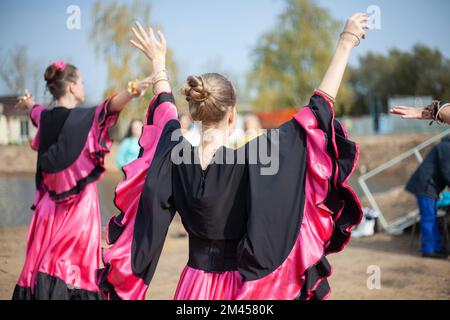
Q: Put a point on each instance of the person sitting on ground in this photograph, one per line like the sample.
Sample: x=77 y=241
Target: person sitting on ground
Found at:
x=427 y=182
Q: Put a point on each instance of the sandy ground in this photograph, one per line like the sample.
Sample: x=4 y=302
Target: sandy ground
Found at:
x=403 y=273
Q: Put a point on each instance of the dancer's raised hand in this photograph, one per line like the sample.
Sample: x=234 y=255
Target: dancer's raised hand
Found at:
x=411 y=113
x=355 y=28
x=26 y=101
x=354 y=31
x=153 y=48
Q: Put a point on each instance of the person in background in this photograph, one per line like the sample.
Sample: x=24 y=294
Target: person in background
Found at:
x=189 y=130
x=129 y=147
x=427 y=182
x=252 y=128
x=438 y=111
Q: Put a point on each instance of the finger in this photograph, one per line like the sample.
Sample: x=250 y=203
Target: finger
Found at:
x=402 y=108
x=152 y=35
x=409 y=116
x=137 y=45
x=358 y=15
x=142 y=31
x=138 y=36
x=365 y=25
x=163 y=39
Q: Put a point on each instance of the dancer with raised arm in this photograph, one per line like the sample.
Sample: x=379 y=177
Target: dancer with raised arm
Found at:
x=64 y=237
x=257 y=229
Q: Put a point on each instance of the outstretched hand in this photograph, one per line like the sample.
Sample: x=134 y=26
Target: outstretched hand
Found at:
x=410 y=113
x=153 y=48
x=25 y=101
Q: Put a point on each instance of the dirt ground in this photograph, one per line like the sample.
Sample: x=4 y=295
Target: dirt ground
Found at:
x=404 y=274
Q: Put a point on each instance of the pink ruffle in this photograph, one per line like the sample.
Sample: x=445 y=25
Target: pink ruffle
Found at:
x=118 y=273
x=317 y=225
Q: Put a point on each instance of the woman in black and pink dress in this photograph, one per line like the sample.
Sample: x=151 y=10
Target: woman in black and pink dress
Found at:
x=64 y=237
x=262 y=218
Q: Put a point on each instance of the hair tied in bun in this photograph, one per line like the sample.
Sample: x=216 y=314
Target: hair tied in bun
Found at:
x=59 y=65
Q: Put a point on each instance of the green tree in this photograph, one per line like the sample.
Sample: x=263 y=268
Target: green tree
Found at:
x=291 y=59
x=421 y=72
x=110 y=34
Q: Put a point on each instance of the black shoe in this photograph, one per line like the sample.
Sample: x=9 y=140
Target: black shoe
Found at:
x=435 y=255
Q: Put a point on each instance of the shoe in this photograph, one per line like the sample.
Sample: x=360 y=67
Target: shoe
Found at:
x=435 y=255
x=365 y=229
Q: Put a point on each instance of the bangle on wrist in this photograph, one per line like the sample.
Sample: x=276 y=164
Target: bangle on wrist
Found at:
x=433 y=111
x=156 y=82
x=329 y=97
x=352 y=34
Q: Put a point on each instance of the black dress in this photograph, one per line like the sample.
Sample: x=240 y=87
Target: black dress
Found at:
x=260 y=218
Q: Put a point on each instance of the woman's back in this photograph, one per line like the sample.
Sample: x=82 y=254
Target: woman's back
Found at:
x=212 y=202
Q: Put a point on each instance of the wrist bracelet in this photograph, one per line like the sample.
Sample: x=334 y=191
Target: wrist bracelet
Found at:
x=156 y=82
x=133 y=89
x=353 y=34
x=432 y=111
x=154 y=76
x=329 y=97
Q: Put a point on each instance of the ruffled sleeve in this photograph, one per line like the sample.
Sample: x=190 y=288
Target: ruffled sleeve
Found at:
x=302 y=213
x=144 y=200
x=103 y=121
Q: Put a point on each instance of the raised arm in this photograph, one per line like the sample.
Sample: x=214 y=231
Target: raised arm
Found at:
x=156 y=51
x=136 y=89
x=354 y=31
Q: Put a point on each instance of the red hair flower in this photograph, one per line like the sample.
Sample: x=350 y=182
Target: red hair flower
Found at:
x=59 y=65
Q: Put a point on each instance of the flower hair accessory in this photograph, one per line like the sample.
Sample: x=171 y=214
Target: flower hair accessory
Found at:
x=59 y=65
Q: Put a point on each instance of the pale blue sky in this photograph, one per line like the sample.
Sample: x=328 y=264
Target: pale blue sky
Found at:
x=204 y=33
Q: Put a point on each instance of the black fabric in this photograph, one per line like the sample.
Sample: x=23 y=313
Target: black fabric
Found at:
x=155 y=210
x=283 y=194
x=215 y=256
x=316 y=286
x=433 y=174
x=63 y=135
x=52 y=288
x=104 y=285
x=94 y=175
x=51 y=124
x=114 y=228
x=60 y=148
x=212 y=203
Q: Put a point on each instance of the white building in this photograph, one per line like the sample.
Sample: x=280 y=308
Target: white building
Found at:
x=15 y=125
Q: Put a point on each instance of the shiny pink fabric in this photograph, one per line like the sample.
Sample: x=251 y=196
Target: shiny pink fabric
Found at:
x=64 y=238
x=197 y=284
x=286 y=282
x=128 y=193
x=64 y=241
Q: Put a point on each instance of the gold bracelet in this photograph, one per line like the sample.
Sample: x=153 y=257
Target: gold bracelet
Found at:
x=329 y=97
x=133 y=89
x=157 y=73
x=23 y=99
x=156 y=82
